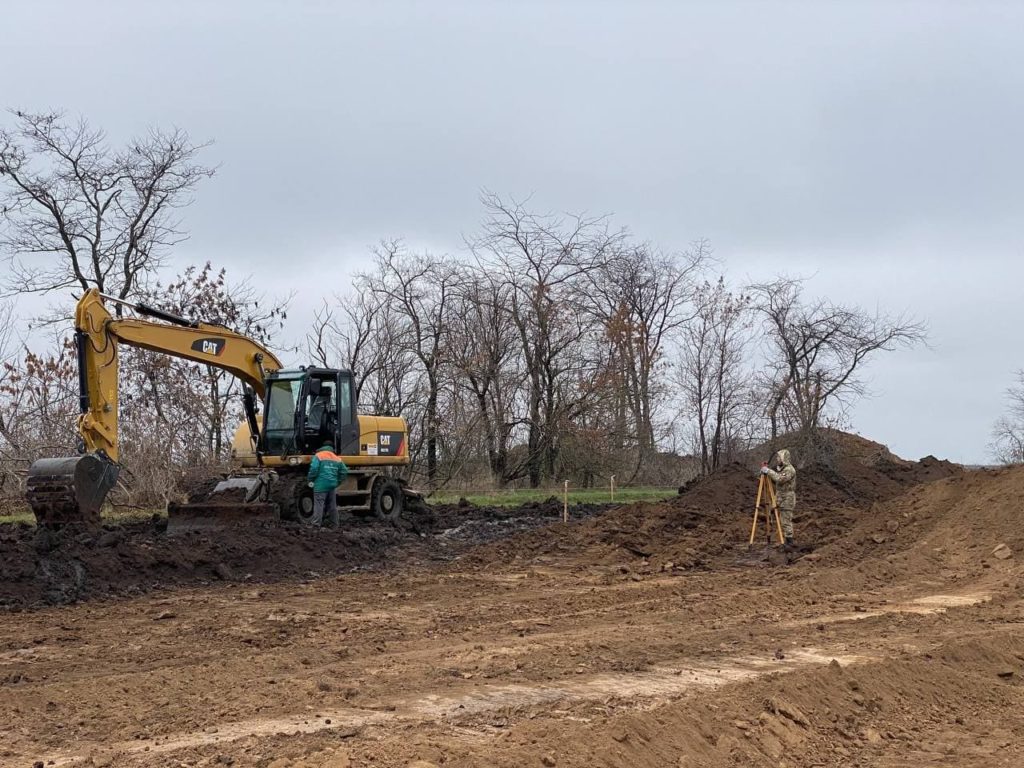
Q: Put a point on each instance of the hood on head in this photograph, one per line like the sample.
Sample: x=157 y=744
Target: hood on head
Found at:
x=783 y=457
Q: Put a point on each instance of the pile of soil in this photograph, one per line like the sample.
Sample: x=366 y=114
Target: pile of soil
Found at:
x=38 y=566
x=836 y=442
x=703 y=527
x=847 y=481
x=964 y=524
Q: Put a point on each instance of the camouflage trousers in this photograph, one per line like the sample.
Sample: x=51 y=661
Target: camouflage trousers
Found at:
x=786 y=516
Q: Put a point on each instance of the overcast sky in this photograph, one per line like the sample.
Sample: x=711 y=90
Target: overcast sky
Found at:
x=873 y=146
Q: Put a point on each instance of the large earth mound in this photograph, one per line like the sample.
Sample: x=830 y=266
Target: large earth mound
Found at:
x=963 y=523
x=711 y=517
x=835 y=442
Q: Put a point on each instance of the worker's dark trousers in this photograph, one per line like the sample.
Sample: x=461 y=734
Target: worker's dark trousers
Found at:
x=328 y=500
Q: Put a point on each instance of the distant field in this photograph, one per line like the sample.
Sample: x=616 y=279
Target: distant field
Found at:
x=512 y=498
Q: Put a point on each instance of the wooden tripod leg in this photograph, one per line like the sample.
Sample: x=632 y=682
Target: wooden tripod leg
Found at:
x=757 y=510
x=778 y=516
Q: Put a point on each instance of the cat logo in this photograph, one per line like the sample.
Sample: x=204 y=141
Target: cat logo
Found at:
x=213 y=347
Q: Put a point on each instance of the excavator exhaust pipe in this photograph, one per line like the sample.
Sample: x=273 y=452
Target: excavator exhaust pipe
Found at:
x=70 y=489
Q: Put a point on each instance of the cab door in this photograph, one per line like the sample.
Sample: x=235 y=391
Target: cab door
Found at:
x=348 y=421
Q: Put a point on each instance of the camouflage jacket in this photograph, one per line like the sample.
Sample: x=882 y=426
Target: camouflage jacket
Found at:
x=784 y=479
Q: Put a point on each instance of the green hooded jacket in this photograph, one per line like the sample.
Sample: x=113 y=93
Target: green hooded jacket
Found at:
x=327 y=470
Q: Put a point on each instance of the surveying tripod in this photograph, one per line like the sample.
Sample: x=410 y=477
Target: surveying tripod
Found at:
x=766 y=492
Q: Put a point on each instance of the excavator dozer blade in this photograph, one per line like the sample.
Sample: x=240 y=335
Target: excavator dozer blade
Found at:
x=71 y=489
x=233 y=502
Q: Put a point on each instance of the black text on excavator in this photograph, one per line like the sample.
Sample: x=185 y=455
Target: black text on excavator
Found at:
x=301 y=410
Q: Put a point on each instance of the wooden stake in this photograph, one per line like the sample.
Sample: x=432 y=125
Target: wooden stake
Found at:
x=565 y=505
x=613 y=487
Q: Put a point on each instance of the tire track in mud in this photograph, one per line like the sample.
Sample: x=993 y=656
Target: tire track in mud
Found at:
x=665 y=682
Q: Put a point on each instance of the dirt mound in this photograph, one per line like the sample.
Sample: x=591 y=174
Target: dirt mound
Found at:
x=38 y=566
x=967 y=523
x=848 y=480
x=703 y=526
x=833 y=443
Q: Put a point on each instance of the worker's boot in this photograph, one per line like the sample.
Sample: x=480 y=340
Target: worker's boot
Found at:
x=788 y=543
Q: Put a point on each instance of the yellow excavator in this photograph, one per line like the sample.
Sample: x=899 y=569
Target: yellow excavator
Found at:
x=289 y=414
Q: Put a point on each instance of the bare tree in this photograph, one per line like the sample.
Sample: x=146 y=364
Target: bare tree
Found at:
x=10 y=396
x=79 y=213
x=817 y=349
x=345 y=332
x=38 y=407
x=640 y=298
x=204 y=398
x=543 y=259
x=712 y=371
x=1008 y=432
x=419 y=290
x=483 y=353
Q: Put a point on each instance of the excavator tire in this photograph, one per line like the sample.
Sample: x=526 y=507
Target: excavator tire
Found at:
x=70 y=489
x=304 y=507
x=387 y=499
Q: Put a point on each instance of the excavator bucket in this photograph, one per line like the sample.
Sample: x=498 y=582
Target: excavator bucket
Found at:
x=232 y=502
x=70 y=489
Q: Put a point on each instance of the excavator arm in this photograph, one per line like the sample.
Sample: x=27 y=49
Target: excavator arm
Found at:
x=99 y=334
x=72 y=489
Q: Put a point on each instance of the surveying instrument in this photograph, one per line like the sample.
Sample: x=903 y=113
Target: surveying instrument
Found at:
x=770 y=505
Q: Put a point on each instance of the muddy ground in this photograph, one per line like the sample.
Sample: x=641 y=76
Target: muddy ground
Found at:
x=642 y=635
x=39 y=567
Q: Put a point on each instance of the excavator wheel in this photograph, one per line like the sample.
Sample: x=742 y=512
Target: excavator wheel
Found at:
x=386 y=499
x=304 y=504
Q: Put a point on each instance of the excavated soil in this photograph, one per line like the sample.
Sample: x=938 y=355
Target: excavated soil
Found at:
x=58 y=567
x=642 y=635
x=702 y=527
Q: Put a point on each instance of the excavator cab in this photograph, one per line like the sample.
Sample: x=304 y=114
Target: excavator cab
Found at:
x=306 y=408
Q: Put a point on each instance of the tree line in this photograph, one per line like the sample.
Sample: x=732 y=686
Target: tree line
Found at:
x=552 y=347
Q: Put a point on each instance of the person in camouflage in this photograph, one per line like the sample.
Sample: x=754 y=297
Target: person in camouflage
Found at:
x=784 y=477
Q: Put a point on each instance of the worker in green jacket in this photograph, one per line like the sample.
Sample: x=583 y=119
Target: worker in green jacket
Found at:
x=326 y=472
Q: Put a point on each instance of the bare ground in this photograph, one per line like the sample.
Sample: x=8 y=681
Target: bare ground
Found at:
x=643 y=636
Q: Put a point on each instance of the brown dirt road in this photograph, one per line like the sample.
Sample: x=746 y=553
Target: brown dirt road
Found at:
x=642 y=637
